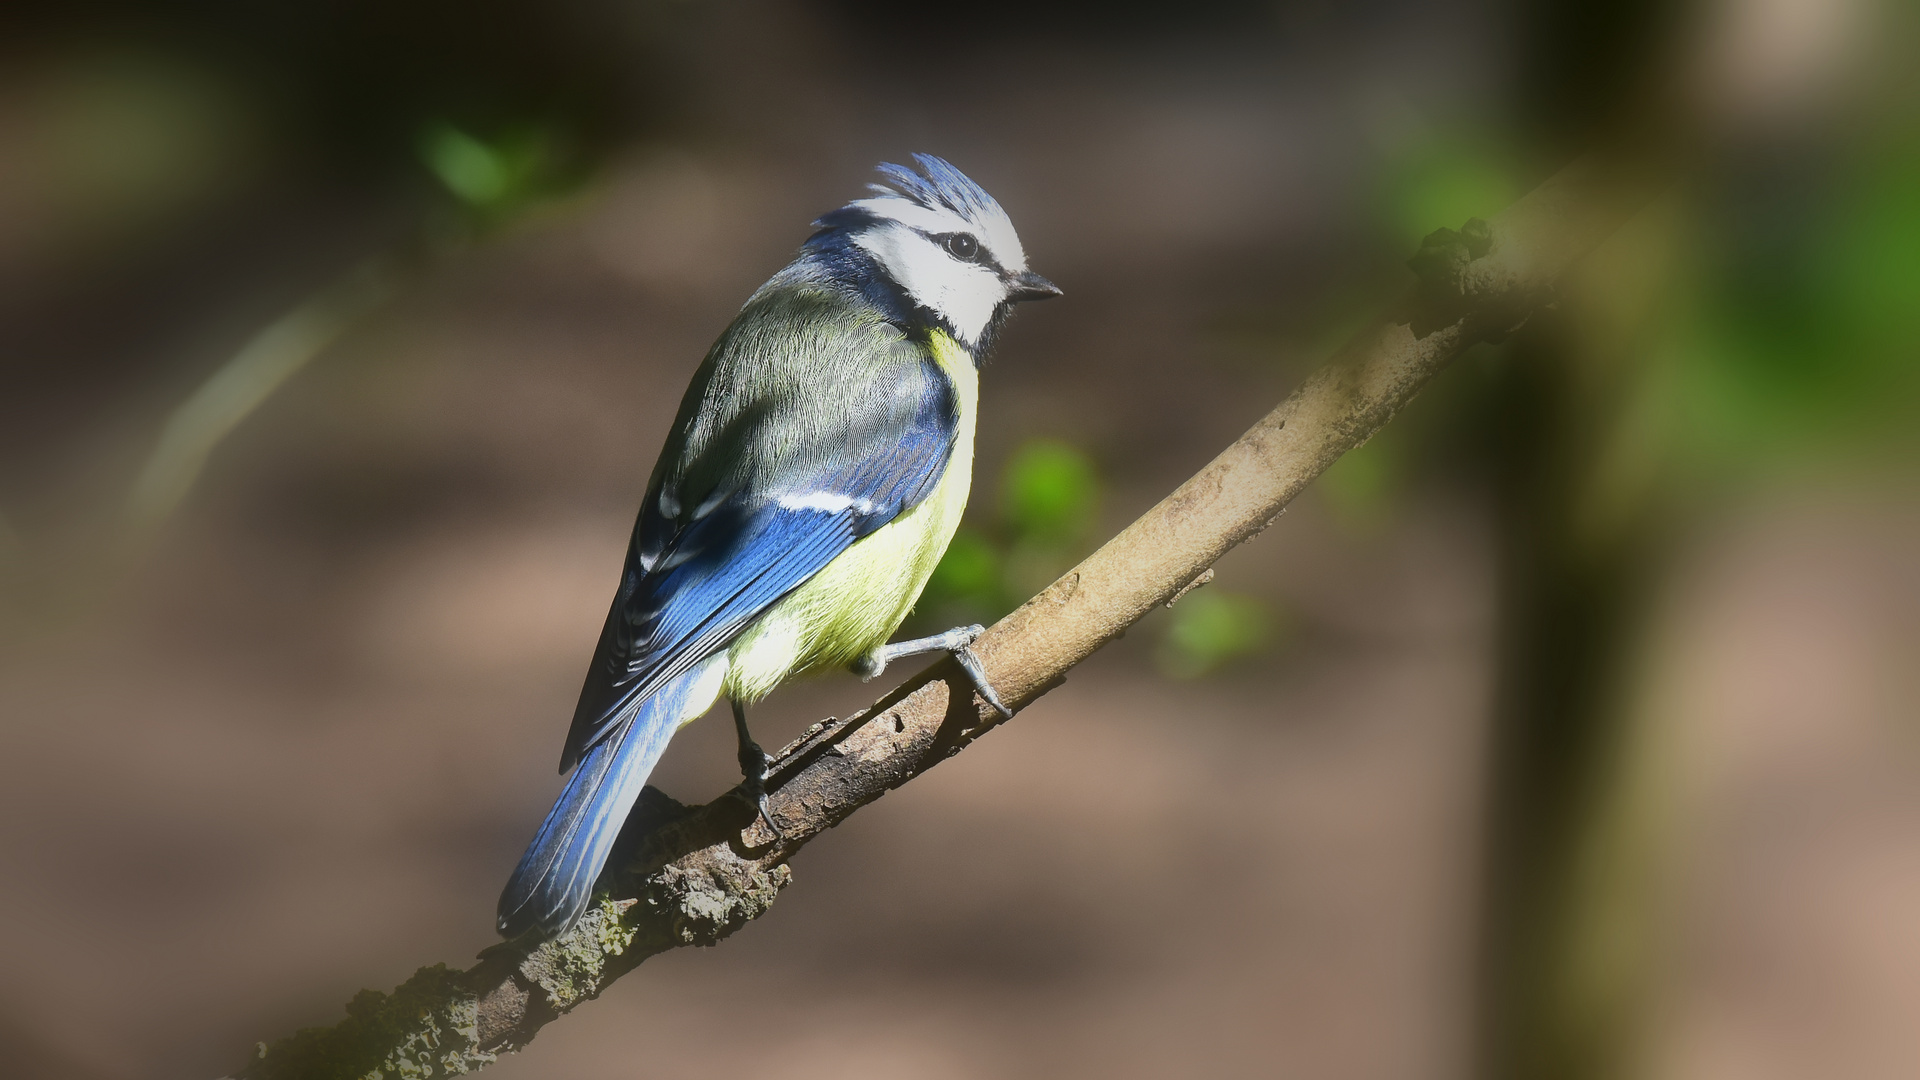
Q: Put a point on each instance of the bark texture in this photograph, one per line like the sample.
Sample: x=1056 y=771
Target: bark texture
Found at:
x=693 y=875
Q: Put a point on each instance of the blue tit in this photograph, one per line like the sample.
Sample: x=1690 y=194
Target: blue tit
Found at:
x=813 y=478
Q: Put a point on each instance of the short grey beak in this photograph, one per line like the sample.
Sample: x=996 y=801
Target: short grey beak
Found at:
x=1031 y=286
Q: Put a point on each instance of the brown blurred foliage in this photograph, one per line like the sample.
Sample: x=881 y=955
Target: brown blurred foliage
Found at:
x=1566 y=732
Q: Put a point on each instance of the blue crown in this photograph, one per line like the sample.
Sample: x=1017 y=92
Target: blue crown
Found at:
x=941 y=186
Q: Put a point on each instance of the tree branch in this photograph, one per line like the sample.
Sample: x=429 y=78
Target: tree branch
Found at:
x=691 y=876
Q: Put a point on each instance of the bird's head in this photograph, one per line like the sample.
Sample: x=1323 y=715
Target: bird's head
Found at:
x=943 y=242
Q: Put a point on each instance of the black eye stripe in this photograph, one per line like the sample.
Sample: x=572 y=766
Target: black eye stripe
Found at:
x=974 y=251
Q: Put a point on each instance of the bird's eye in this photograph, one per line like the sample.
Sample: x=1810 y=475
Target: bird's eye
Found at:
x=963 y=247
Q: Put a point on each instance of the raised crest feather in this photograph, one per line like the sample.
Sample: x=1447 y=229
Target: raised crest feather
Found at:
x=942 y=187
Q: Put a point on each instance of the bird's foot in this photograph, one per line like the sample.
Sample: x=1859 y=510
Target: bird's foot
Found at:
x=753 y=768
x=753 y=789
x=970 y=664
x=956 y=642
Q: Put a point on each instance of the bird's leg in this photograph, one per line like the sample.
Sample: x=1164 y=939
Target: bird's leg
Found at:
x=954 y=641
x=753 y=766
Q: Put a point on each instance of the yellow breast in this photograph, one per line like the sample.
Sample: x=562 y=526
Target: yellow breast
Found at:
x=860 y=598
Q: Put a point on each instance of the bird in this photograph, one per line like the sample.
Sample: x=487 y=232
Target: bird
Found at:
x=812 y=479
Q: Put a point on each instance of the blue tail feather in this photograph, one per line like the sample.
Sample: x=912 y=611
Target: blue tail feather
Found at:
x=555 y=878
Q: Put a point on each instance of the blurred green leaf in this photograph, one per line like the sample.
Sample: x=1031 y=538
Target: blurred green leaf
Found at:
x=494 y=177
x=969 y=573
x=1361 y=485
x=1050 y=492
x=1441 y=184
x=1049 y=499
x=1210 y=628
x=1804 y=337
x=470 y=168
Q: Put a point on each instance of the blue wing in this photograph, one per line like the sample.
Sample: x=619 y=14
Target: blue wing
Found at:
x=810 y=426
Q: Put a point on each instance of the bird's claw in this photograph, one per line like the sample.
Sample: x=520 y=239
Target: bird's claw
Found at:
x=753 y=790
x=970 y=664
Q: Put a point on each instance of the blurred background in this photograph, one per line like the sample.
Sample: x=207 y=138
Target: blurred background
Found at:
x=1567 y=729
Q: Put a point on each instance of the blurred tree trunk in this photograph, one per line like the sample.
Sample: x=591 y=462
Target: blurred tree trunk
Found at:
x=1573 y=798
x=1567 y=930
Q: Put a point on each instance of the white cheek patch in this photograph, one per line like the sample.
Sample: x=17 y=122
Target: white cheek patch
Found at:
x=964 y=294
